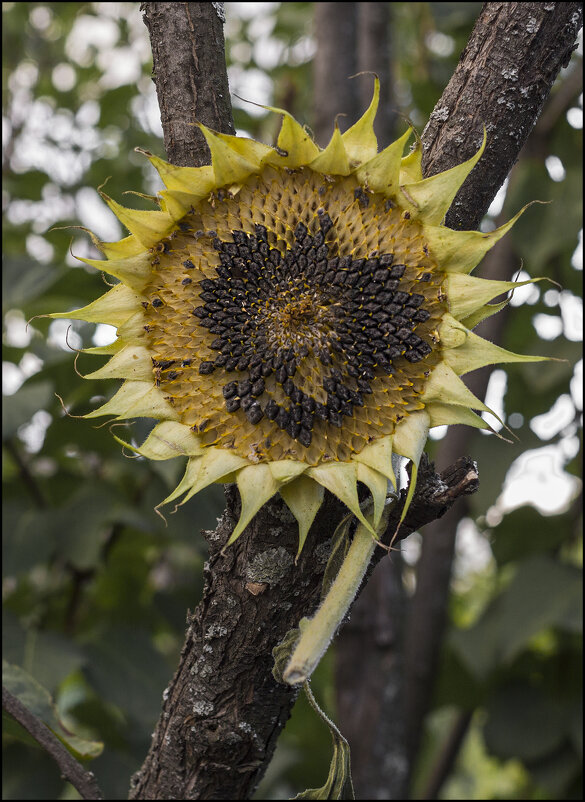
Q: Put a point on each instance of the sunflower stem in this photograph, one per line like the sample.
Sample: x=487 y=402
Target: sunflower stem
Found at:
x=319 y=630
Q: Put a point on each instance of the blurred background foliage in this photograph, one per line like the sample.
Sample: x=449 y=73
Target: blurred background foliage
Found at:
x=96 y=586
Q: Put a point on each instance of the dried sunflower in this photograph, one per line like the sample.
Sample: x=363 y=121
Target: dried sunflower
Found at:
x=294 y=316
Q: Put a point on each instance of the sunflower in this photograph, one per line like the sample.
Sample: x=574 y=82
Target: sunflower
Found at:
x=294 y=316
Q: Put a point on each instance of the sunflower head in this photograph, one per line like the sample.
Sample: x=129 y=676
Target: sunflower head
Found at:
x=294 y=316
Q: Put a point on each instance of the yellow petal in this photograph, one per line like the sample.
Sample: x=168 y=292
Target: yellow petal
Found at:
x=432 y=197
x=378 y=487
x=340 y=479
x=195 y=181
x=134 y=271
x=113 y=308
x=129 y=246
x=132 y=331
x=411 y=165
x=285 y=470
x=333 y=160
x=445 y=386
x=447 y=415
x=472 y=351
x=105 y=350
x=172 y=203
x=131 y=362
x=381 y=174
x=467 y=294
x=234 y=158
x=461 y=251
x=257 y=485
x=147 y=227
x=150 y=198
x=409 y=441
x=471 y=321
x=136 y=399
x=166 y=441
x=378 y=455
x=294 y=146
x=303 y=497
x=411 y=435
x=212 y=466
x=360 y=141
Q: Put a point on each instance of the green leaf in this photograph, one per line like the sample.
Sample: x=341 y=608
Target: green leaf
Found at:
x=576 y=730
x=283 y=650
x=338 y=784
x=51 y=657
x=79 y=527
x=39 y=702
x=24 y=543
x=126 y=670
x=523 y=722
x=525 y=531
x=556 y=772
x=542 y=594
x=456 y=684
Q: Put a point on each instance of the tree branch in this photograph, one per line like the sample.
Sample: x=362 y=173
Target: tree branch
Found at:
x=448 y=756
x=503 y=78
x=71 y=769
x=188 y=54
x=28 y=480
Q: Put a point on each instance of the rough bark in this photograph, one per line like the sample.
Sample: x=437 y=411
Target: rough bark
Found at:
x=188 y=54
x=503 y=78
x=223 y=710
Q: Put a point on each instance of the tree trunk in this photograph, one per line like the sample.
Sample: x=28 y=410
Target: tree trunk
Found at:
x=503 y=78
x=334 y=31
x=188 y=54
x=223 y=710
x=374 y=54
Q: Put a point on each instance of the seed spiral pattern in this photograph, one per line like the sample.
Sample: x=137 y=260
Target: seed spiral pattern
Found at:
x=300 y=331
x=311 y=297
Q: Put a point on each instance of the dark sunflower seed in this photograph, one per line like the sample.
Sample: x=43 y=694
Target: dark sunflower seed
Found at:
x=271 y=409
x=229 y=390
x=304 y=437
x=282 y=418
x=255 y=413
